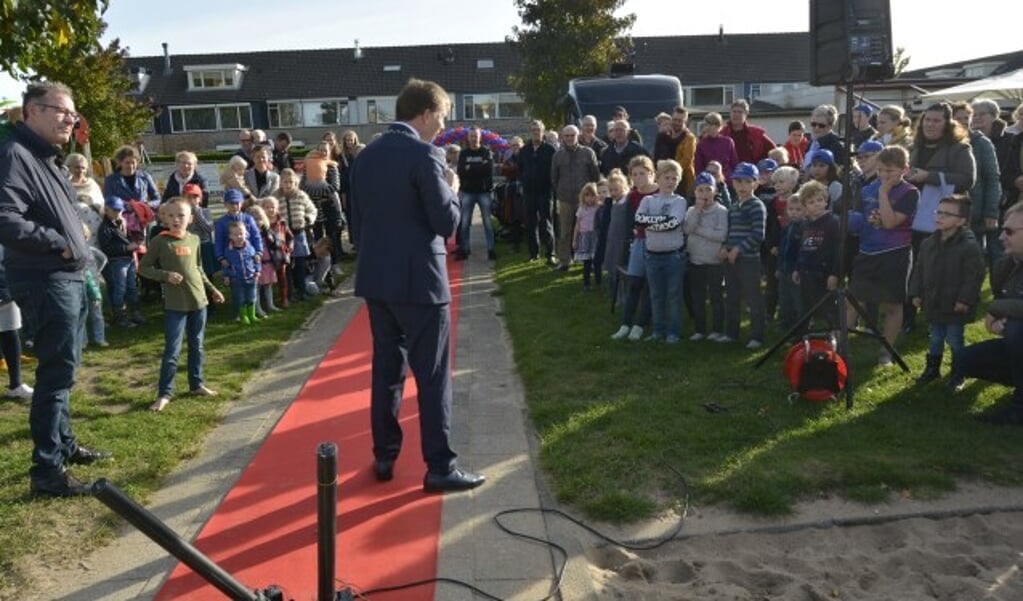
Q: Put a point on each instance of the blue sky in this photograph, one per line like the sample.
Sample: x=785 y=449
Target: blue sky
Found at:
x=194 y=26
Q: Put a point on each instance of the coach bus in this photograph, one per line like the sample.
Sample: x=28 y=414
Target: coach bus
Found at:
x=643 y=96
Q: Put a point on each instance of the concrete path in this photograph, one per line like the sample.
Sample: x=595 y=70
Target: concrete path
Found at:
x=491 y=433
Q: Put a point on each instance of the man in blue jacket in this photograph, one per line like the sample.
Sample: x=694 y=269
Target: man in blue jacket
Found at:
x=404 y=204
x=46 y=258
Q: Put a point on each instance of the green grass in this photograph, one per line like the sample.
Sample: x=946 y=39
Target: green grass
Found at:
x=612 y=415
x=109 y=411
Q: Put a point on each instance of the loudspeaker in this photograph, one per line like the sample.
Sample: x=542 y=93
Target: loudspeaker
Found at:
x=850 y=41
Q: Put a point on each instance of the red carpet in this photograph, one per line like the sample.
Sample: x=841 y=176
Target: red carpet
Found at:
x=265 y=530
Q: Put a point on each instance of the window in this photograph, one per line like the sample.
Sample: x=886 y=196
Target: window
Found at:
x=485 y=63
x=324 y=112
x=380 y=109
x=285 y=114
x=754 y=91
x=214 y=77
x=711 y=96
x=492 y=106
x=210 y=118
x=391 y=68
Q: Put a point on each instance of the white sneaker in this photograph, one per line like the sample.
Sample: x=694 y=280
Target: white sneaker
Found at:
x=753 y=345
x=715 y=336
x=636 y=333
x=724 y=338
x=884 y=359
x=696 y=337
x=160 y=404
x=21 y=391
x=621 y=333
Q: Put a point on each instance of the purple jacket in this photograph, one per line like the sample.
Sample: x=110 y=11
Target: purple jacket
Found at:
x=720 y=149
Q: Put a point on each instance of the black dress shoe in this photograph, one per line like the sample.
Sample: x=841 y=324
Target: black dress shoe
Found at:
x=86 y=456
x=384 y=470
x=454 y=481
x=61 y=485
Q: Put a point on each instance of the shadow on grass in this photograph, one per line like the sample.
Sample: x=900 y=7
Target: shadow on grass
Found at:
x=612 y=415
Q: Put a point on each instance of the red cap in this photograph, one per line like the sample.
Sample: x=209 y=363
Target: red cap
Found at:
x=192 y=190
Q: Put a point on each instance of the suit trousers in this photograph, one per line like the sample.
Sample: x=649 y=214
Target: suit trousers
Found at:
x=417 y=337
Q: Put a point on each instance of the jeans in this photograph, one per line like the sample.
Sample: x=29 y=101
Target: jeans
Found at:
x=708 y=281
x=790 y=301
x=539 y=228
x=57 y=308
x=940 y=332
x=243 y=292
x=742 y=286
x=176 y=324
x=995 y=360
x=566 y=227
x=664 y=277
x=121 y=281
x=469 y=202
x=96 y=322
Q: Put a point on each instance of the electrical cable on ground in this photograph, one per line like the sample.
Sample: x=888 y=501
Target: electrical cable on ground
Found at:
x=561 y=565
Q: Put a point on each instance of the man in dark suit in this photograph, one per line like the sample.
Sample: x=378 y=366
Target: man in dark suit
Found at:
x=404 y=204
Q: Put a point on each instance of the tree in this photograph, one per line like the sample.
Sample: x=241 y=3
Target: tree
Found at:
x=31 y=29
x=560 y=40
x=103 y=94
x=901 y=61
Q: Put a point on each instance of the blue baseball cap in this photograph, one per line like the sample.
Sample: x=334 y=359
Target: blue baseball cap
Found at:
x=866 y=109
x=823 y=156
x=870 y=146
x=233 y=196
x=767 y=165
x=745 y=171
x=706 y=179
x=115 y=203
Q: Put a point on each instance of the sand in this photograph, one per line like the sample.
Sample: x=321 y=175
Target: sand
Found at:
x=966 y=546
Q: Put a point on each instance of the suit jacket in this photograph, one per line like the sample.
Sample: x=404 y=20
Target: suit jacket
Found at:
x=273 y=181
x=402 y=210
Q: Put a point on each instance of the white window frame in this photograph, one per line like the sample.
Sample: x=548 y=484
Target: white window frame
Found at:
x=216 y=111
x=197 y=73
x=727 y=95
x=469 y=112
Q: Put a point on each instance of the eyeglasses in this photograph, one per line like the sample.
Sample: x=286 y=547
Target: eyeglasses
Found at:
x=948 y=214
x=818 y=125
x=62 y=112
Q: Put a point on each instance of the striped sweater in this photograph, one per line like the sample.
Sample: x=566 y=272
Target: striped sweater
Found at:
x=746 y=221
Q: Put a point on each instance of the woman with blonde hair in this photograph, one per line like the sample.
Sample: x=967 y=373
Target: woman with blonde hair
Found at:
x=233 y=176
x=894 y=128
x=78 y=169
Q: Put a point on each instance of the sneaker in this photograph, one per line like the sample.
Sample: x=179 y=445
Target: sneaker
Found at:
x=21 y=391
x=956 y=383
x=202 y=390
x=723 y=338
x=160 y=403
x=698 y=337
x=636 y=333
x=653 y=338
x=673 y=339
x=884 y=358
x=621 y=333
x=101 y=343
x=753 y=345
x=714 y=336
x=552 y=261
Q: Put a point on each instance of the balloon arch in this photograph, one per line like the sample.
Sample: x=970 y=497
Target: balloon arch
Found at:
x=456 y=135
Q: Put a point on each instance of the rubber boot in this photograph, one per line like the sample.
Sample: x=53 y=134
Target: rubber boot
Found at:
x=243 y=315
x=251 y=308
x=932 y=371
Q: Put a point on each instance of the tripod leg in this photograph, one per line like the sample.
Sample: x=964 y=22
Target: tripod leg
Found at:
x=799 y=326
x=855 y=304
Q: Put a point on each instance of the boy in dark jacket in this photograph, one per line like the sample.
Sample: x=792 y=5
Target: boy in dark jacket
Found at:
x=946 y=282
x=120 y=249
x=817 y=262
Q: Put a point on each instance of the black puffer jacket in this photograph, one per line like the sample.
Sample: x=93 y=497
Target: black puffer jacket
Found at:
x=948 y=272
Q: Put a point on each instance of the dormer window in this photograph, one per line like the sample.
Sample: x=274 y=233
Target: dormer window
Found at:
x=485 y=63
x=392 y=68
x=214 y=77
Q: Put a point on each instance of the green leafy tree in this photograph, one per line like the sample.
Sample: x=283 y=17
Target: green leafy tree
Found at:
x=32 y=29
x=562 y=39
x=102 y=85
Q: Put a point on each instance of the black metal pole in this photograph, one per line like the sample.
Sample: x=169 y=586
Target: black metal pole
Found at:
x=843 y=230
x=326 y=498
x=161 y=534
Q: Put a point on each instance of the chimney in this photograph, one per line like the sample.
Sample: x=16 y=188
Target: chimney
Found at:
x=357 y=52
x=166 y=60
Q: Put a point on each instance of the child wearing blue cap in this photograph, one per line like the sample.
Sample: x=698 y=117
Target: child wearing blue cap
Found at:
x=741 y=256
x=233 y=204
x=706 y=227
x=120 y=249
